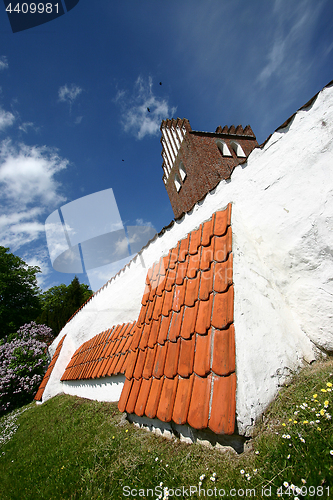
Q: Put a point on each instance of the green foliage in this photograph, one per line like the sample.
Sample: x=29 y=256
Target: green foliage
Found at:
x=59 y=303
x=23 y=359
x=73 y=448
x=19 y=301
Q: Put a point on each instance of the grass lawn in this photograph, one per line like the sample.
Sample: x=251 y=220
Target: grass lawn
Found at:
x=73 y=448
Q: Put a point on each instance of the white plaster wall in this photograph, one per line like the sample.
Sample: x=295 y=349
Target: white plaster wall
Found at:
x=101 y=389
x=282 y=222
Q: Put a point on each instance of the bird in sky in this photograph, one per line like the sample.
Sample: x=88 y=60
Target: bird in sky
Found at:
x=148 y=110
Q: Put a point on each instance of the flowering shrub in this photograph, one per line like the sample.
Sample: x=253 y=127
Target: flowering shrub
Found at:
x=23 y=360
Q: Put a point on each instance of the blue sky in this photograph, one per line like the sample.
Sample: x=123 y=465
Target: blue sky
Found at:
x=75 y=91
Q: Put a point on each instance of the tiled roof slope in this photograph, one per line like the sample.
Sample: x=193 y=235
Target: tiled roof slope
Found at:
x=181 y=365
x=103 y=355
x=47 y=375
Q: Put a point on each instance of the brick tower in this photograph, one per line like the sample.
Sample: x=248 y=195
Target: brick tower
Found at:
x=195 y=162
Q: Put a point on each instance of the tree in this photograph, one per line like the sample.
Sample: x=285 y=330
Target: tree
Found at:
x=19 y=293
x=23 y=360
x=60 y=302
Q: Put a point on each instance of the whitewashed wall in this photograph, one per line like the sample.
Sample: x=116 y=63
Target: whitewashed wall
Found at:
x=282 y=222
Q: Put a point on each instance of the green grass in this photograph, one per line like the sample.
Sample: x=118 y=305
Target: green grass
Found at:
x=72 y=448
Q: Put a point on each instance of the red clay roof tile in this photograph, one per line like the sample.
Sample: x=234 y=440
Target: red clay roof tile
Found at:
x=202 y=357
x=155 y=325
x=140 y=362
x=186 y=357
x=189 y=321
x=193 y=265
x=182 y=400
x=223 y=410
x=149 y=363
x=154 y=397
x=224 y=351
x=222 y=246
x=199 y=406
x=133 y=396
x=183 y=248
x=223 y=310
x=195 y=241
x=179 y=357
x=223 y=275
x=179 y=296
x=181 y=272
x=207 y=255
x=158 y=307
x=175 y=325
x=167 y=398
x=204 y=314
x=207 y=232
x=170 y=279
x=159 y=362
x=124 y=394
x=145 y=336
x=192 y=291
x=171 y=360
x=206 y=283
x=142 y=397
x=167 y=303
x=164 y=329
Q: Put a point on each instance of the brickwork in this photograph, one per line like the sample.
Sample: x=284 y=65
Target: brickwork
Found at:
x=204 y=163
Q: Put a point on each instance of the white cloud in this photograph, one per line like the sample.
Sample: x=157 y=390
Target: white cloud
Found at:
x=3 y=63
x=136 y=118
x=78 y=120
x=28 y=190
x=6 y=119
x=287 y=58
x=69 y=94
x=24 y=127
x=39 y=257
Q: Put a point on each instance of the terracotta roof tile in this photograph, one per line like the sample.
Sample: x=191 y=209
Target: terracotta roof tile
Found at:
x=204 y=314
x=195 y=241
x=207 y=232
x=145 y=336
x=222 y=246
x=223 y=310
x=183 y=249
x=124 y=394
x=140 y=362
x=206 y=283
x=167 y=398
x=159 y=362
x=193 y=265
x=40 y=391
x=133 y=396
x=192 y=291
x=181 y=271
x=203 y=351
x=175 y=325
x=199 y=406
x=167 y=303
x=224 y=351
x=155 y=326
x=164 y=329
x=142 y=397
x=179 y=296
x=179 y=357
x=154 y=397
x=149 y=363
x=182 y=400
x=189 y=321
x=186 y=357
x=171 y=360
x=223 y=410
